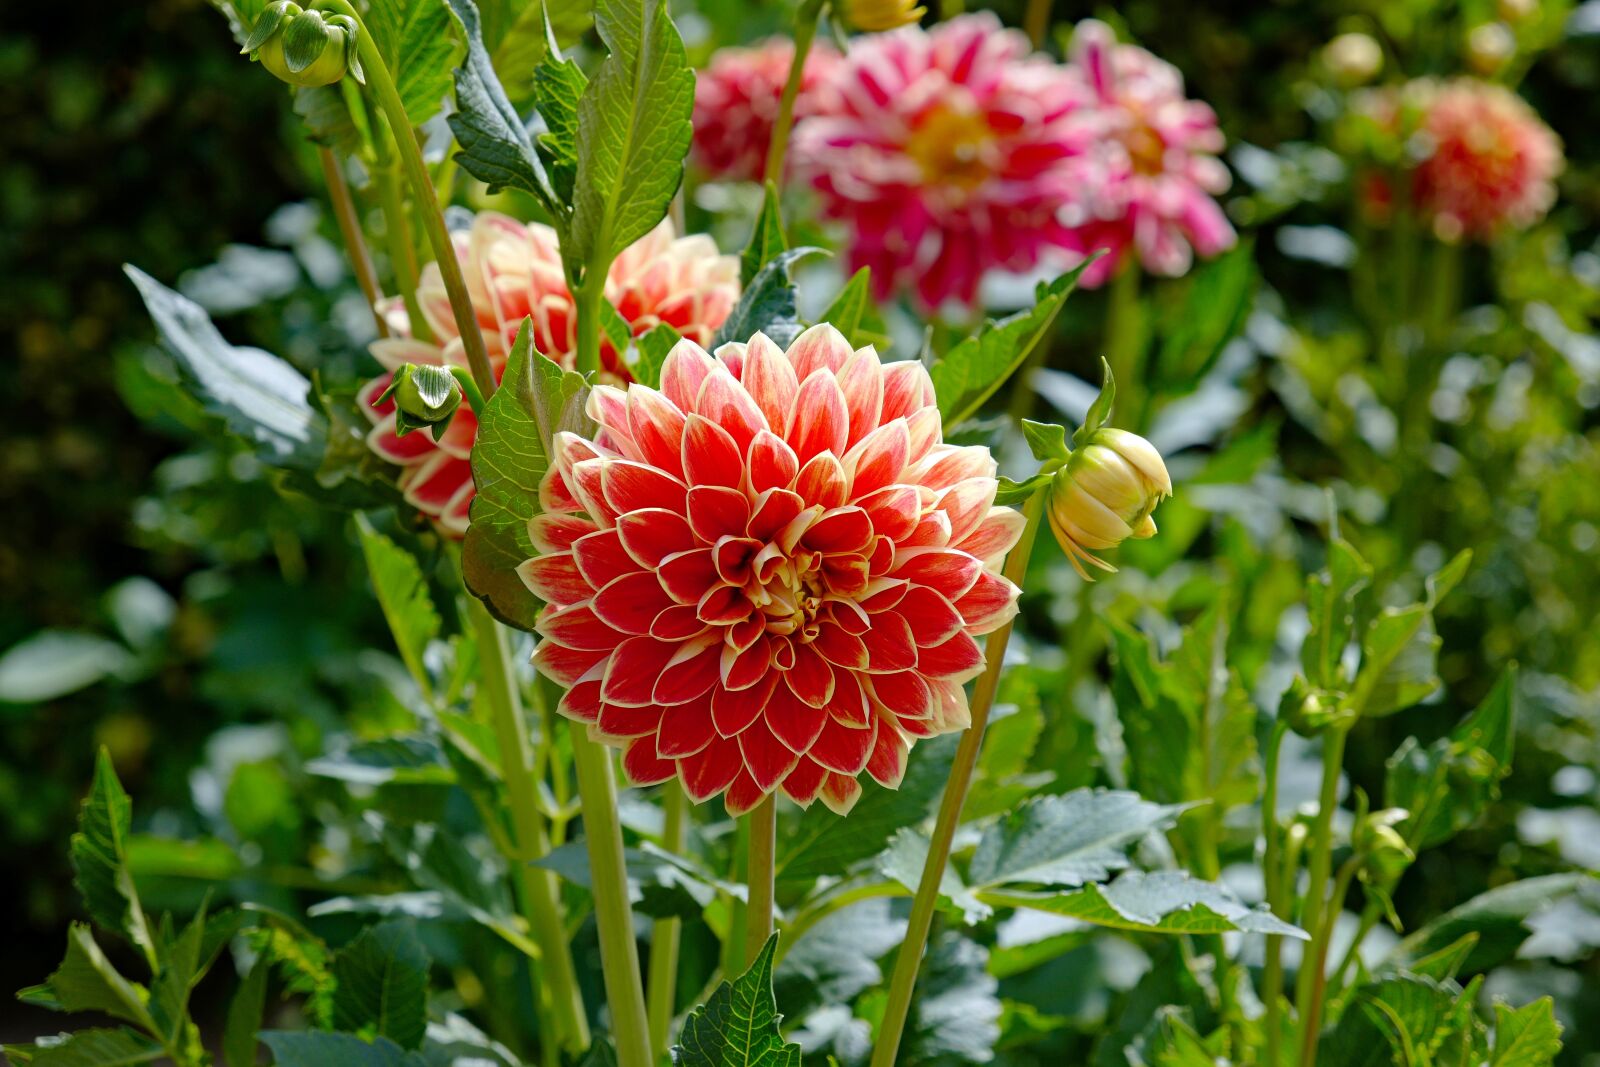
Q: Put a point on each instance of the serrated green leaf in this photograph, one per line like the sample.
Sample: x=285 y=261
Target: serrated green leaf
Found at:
x=294 y=1048
x=86 y=981
x=245 y=1012
x=852 y=313
x=384 y=761
x=415 y=40
x=301 y=959
x=1046 y=440
x=1332 y=597
x=558 y=85
x=652 y=350
x=88 y=1048
x=766 y=240
x=327 y=119
x=633 y=132
x=169 y=993
x=1169 y=902
x=254 y=393
x=1066 y=840
x=903 y=862
x=1528 y=1036
x=1499 y=917
x=979 y=365
x=54 y=663
x=536 y=400
x=1395 y=1020
x=519 y=39
x=738 y=1026
x=1399 y=661
x=100 y=861
x=382 y=984
x=955 y=1016
x=496 y=147
x=402 y=592
x=768 y=304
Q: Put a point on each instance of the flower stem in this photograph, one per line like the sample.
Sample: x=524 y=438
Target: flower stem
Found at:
x=397 y=232
x=1125 y=342
x=661 y=984
x=422 y=197
x=1317 y=953
x=805 y=31
x=619 y=956
x=1275 y=880
x=923 y=904
x=541 y=901
x=1037 y=21
x=344 y=212
x=1319 y=866
x=586 y=305
x=760 y=865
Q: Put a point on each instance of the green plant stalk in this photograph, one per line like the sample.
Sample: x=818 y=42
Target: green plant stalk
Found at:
x=586 y=305
x=1311 y=1015
x=619 y=957
x=344 y=213
x=1319 y=867
x=1037 y=21
x=1369 y=919
x=759 y=879
x=661 y=983
x=1124 y=341
x=906 y=964
x=397 y=231
x=423 y=197
x=469 y=389
x=1272 y=974
x=537 y=888
x=805 y=31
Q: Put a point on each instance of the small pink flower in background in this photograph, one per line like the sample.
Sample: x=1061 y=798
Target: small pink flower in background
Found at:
x=1156 y=172
x=949 y=153
x=736 y=103
x=769 y=573
x=513 y=271
x=1490 y=161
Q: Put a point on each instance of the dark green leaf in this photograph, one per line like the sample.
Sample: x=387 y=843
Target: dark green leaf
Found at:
x=1153 y=902
x=1528 y=1036
x=169 y=994
x=257 y=395
x=766 y=240
x=1099 y=409
x=1391 y=1020
x=86 y=981
x=1214 y=310
x=1332 y=597
x=402 y=592
x=653 y=349
x=301 y=959
x=382 y=984
x=384 y=761
x=88 y=1048
x=768 y=304
x=1499 y=917
x=837 y=958
x=310 y=1049
x=100 y=860
x=558 y=85
x=1066 y=840
x=852 y=313
x=327 y=119
x=245 y=1012
x=739 y=1024
x=955 y=1017
x=417 y=46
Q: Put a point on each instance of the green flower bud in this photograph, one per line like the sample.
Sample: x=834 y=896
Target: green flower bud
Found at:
x=1353 y=58
x=1385 y=854
x=304 y=48
x=1104 y=495
x=423 y=395
x=1309 y=711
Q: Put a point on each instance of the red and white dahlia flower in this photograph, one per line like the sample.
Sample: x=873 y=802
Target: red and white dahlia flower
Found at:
x=1155 y=170
x=736 y=103
x=513 y=271
x=950 y=152
x=769 y=573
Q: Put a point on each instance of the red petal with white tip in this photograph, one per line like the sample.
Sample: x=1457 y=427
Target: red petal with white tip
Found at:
x=709 y=771
x=716 y=511
x=686 y=729
x=887 y=763
x=643 y=767
x=958 y=658
x=804 y=782
x=562 y=664
x=946 y=571
x=793 y=721
x=555 y=579
x=819 y=422
x=688 y=576
x=989 y=604
x=765 y=757
x=633 y=669
x=773 y=464
x=632 y=603
x=651 y=534
x=845 y=749
x=630 y=486
x=710 y=455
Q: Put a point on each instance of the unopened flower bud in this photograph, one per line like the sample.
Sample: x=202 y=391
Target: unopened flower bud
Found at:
x=1383 y=849
x=1490 y=47
x=423 y=395
x=877 y=16
x=1353 y=58
x=1104 y=495
x=304 y=48
x=1517 y=10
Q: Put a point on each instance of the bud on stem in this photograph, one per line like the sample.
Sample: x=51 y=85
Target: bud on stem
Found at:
x=305 y=48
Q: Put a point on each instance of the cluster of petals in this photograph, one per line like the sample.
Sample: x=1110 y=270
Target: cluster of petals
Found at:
x=736 y=103
x=1154 y=171
x=513 y=272
x=1489 y=162
x=950 y=152
x=769 y=573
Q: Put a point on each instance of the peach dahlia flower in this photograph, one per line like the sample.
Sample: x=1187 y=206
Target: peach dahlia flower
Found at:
x=769 y=573
x=513 y=271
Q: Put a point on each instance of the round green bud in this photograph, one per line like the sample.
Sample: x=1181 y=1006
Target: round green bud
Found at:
x=423 y=395
x=304 y=48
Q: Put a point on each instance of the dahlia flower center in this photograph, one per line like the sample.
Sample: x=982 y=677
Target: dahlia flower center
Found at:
x=955 y=147
x=1146 y=149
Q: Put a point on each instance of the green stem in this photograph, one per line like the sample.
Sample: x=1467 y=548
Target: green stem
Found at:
x=586 y=305
x=422 y=197
x=344 y=213
x=1319 y=866
x=1037 y=21
x=760 y=865
x=619 y=956
x=397 y=234
x=661 y=983
x=1311 y=1013
x=805 y=31
x=1273 y=877
x=1124 y=341
x=1369 y=919
x=537 y=888
x=904 y=979
x=469 y=389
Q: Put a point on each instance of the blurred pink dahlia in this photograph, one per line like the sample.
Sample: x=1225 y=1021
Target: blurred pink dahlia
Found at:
x=1156 y=170
x=1490 y=161
x=950 y=152
x=769 y=574
x=513 y=271
x=736 y=103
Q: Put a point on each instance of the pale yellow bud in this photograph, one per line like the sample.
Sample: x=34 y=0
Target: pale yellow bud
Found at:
x=1517 y=10
x=877 y=16
x=1353 y=58
x=1490 y=47
x=1105 y=494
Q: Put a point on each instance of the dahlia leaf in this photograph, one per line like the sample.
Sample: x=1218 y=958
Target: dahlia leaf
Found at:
x=1503 y=918
x=496 y=147
x=414 y=38
x=1528 y=1036
x=852 y=313
x=257 y=395
x=54 y=663
x=1167 y=902
x=1332 y=597
x=121 y=1047
x=328 y=120
x=974 y=369
x=1011 y=493
x=403 y=595
x=768 y=303
x=245 y=1013
x=169 y=993
x=558 y=85
x=522 y=35
x=382 y=984
x=298 y=1048
x=1211 y=315
x=1099 y=412
x=652 y=350
x=100 y=860
x=1388 y=1021
x=955 y=1016
x=1068 y=839
x=1046 y=440
x=87 y=981
x=633 y=131
x=739 y=1024
x=766 y=240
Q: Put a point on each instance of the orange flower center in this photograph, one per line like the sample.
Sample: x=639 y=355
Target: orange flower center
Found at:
x=953 y=147
x=1146 y=150
x=787 y=590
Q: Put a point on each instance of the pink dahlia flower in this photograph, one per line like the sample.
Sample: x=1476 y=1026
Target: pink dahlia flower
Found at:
x=736 y=103
x=1491 y=162
x=950 y=152
x=769 y=574
x=513 y=271
x=1156 y=170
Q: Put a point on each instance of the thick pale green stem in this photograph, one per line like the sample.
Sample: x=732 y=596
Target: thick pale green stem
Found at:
x=1311 y=915
x=661 y=985
x=344 y=213
x=1311 y=1014
x=586 y=301
x=397 y=234
x=760 y=866
x=541 y=901
x=619 y=956
x=1125 y=341
x=805 y=30
x=904 y=980
x=1275 y=880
